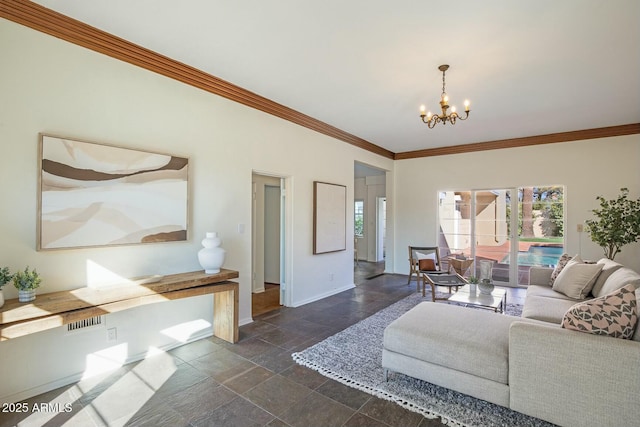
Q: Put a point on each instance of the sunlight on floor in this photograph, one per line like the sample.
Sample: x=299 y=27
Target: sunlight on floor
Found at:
x=47 y=411
x=118 y=402
x=125 y=397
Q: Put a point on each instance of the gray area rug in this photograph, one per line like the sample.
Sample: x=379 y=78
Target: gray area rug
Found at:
x=354 y=357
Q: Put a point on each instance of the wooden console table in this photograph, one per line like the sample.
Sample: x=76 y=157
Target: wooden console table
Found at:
x=60 y=308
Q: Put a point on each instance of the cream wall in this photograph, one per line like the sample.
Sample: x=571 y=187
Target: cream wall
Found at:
x=587 y=168
x=48 y=85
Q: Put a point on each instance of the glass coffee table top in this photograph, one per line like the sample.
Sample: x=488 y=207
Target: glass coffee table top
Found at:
x=497 y=300
x=441 y=278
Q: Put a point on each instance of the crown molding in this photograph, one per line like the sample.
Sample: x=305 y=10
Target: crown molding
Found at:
x=45 y=20
x=552 y=138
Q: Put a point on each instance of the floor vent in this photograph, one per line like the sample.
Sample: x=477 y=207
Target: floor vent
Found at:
x=85 y=323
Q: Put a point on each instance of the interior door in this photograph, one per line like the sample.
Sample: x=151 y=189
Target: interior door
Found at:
x=272 y=233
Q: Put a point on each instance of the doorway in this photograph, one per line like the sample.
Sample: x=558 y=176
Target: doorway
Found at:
x=268 y=288
x=370 y=216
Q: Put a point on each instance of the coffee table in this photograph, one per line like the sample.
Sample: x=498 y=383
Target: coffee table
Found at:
x=496 y=301
x=440 y=278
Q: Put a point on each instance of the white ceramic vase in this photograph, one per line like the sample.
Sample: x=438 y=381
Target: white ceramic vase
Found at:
x=485 y=288
x=211 y=256
x=1 y=298
x=26 y=296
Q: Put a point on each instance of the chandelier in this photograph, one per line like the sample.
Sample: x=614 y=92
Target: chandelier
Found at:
x=431 y=120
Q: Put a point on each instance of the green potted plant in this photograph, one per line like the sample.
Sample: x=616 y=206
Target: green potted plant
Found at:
x=5 y=277
x=473 y=283
x=617 y=223
x=26 y=282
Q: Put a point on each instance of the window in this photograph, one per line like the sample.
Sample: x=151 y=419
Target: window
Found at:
x=516 y=228
x=359 y=218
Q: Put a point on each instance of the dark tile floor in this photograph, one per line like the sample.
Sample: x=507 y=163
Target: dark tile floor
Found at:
x=252 y=383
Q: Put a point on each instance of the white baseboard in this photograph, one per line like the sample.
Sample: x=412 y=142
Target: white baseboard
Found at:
x=245 y=321
x=321 y=296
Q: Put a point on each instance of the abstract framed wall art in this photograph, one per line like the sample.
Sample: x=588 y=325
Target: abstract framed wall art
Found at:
x=92 y=194
x=329 y=217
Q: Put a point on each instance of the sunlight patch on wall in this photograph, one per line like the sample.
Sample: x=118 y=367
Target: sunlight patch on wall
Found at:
x=99 y=276
x=186 y=330
x=106 y=360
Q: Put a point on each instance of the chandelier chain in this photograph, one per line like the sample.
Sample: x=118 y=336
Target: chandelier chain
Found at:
x=443 y=91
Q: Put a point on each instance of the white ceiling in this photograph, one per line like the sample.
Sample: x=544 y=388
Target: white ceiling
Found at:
x=528 y=67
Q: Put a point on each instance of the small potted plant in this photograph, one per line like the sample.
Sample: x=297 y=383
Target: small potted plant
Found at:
x=5 y=277
x=473 y=282
x=26 y=282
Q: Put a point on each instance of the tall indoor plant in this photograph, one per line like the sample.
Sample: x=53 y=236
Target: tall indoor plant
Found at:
x=617 y=223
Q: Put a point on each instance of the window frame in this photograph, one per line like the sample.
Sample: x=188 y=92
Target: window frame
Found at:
x=356 y=214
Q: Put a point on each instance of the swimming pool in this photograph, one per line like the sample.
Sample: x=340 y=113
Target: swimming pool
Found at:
x=538 y=256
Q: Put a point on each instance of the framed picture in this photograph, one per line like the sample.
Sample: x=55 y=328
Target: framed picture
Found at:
x=98 y=195
x=329 y=217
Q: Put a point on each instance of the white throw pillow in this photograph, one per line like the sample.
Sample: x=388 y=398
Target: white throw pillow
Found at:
x=577 y=278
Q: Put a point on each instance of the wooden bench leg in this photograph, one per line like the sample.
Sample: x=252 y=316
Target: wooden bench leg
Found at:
x=225 y=315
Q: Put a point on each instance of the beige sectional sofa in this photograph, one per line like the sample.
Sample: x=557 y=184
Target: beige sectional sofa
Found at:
x=530 y=363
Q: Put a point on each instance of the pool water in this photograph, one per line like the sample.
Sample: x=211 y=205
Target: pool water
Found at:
x=538 y=256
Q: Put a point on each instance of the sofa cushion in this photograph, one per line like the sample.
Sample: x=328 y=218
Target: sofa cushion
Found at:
x=562 y=262
x=544 y=291
x=468 y=340
x=608 y=268
x=617 y=279
x=546 y=309
x=613 y=315
x=577 y=278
